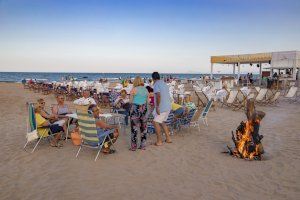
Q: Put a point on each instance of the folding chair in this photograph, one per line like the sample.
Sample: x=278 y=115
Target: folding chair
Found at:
x=186 y=121
x=204 y=113
x=32 y=129
x=170 y=122
x=291 y=96
x=88 y=130
x=241 y=101
x=202 y=98
x=261 y=95
x=273 y=100
x=232 y=98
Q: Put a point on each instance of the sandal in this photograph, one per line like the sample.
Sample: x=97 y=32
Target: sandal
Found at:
x=142 y=147
x=133 y=147
x=58 y=145
x=111 y=151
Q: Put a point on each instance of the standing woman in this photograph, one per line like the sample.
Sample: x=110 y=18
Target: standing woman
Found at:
x=139 y=100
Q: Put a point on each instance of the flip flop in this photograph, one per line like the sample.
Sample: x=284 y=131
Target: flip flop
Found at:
x=169 y=142
x=58 y=145
x=142 y=147
x=133 y=147
x=111 y=151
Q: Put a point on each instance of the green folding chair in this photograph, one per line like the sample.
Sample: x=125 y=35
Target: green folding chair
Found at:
x=32 y=129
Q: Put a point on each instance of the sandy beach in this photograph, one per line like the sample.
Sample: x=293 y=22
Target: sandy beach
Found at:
x=193 y=167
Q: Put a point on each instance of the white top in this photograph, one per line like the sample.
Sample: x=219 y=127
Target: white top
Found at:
x=85 y=101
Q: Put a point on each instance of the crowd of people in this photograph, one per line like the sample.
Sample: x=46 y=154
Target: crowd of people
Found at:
x=142 y=102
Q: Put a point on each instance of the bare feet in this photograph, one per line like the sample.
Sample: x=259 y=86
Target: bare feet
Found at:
x=158 y=143
x=169 y=141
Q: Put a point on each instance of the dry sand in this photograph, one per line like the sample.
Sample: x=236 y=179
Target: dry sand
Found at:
x=190 y=168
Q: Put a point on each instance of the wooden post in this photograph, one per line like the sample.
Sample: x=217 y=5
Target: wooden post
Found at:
x=260 y=74
x=233 y=70
x=239 y=70
x=211 y=70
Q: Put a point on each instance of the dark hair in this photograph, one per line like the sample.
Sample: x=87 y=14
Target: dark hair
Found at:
x=123 y=91
x=150 y=89
x=155 y=76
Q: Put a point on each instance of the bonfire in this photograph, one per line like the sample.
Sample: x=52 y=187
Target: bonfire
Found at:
x=247 y=139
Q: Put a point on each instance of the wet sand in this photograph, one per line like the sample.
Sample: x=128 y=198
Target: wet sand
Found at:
x=192 y=167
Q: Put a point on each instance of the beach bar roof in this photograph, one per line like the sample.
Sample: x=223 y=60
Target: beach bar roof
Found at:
x=244 y=58
x=278 y=60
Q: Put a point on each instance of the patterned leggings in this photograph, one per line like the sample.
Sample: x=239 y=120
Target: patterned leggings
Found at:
x=138 y=120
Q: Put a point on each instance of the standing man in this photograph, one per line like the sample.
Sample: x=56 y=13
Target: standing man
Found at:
x=162 y=102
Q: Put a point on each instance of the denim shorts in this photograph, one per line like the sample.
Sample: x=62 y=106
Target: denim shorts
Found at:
x=179 y=112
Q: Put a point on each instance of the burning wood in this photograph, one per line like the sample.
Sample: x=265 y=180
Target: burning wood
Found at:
x=247 y=140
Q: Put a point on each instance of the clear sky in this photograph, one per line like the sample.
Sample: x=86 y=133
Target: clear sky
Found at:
x=141 y=35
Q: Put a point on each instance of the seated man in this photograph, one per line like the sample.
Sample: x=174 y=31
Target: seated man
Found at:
x=85 y=99
x=122 y=105
x=101 y=125
x=44 y=125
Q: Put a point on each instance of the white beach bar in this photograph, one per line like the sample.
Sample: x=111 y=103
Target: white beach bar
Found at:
x=278 y=60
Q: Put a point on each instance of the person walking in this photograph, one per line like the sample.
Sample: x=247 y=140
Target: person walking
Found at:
x=162 y=103
x=138 y=111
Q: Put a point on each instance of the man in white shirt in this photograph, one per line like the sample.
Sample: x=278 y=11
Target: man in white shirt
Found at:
x=85 y=99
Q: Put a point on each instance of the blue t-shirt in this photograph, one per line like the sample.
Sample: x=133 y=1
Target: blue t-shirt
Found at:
x=141 y=95
x=165 y=99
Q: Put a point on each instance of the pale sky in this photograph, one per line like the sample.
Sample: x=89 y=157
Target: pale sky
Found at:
x=169 y=36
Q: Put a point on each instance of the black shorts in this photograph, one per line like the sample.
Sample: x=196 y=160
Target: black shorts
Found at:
x=55 y=128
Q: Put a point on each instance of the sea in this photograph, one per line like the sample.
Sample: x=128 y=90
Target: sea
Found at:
x=50 y=76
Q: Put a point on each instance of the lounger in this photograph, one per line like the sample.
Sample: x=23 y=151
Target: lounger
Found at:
x=202 y=98
x=274 y=99
x=260 y=98
x=232 y=99
x=291 y=96
x=89 y=134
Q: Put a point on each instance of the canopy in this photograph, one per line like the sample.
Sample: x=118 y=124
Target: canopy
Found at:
x=243 y=58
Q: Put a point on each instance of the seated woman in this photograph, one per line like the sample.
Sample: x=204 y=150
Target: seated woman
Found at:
x=178 y=110
x=102 y=125
x=52 y=118
x=44 y=113
x=122 y=105
x=60 y=109
x=44 y=125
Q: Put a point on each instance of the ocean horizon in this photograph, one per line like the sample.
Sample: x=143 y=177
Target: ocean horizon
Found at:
x=91 y=76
